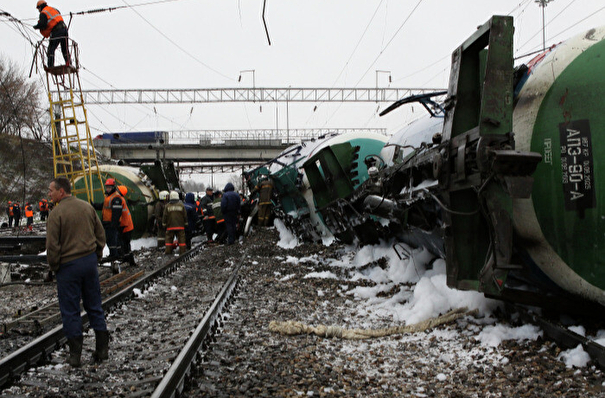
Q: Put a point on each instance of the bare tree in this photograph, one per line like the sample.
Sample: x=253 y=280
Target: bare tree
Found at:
x=21 y=112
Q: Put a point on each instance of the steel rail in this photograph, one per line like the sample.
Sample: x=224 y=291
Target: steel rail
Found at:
x=39 y=349
x=173 y=383
x=23 y=239
x=565 y=337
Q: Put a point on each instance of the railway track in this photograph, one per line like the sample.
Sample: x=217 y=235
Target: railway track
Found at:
x=36 y=321
x=150 y=336
x=39 y=350
x=563 y=336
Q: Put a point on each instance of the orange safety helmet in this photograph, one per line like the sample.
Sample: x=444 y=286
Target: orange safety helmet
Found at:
x=110 y=181
x=123 y=190
x=40 y=2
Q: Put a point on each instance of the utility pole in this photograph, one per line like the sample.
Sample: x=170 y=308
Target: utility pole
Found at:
x=543 y=4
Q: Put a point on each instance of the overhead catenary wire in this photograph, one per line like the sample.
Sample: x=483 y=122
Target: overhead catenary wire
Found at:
x=381 y=52
x=179 y=47
x=545 y=26
x=111 y=9
x=132 y=106
x=351 y=55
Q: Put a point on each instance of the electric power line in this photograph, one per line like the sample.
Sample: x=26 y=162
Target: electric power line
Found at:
x=178 y=46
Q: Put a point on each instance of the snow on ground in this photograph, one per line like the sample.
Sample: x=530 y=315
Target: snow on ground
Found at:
x=286 y=239
x=136 y=244
x=423 y=292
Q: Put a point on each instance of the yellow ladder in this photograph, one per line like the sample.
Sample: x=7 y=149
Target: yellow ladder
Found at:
x=74 y=156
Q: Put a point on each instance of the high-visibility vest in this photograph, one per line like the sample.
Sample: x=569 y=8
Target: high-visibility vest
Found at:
x=10 y=210
x=29 y=212
x=126 y=218
x=107 y=210
x=54 y=17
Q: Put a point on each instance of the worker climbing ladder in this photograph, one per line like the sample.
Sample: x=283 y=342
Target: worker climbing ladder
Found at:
x=74 y=156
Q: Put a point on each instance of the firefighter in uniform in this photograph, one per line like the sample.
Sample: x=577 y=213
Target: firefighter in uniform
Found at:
x=126 y=227
x=10 y=214
x=52 y=26
x=158 y=212
x=29 y=214
x=175 y=221
x=111 y=212
x=265 y=189
x=43 y=207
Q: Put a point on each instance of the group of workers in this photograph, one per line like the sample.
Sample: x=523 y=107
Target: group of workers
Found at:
x=15 y=213
x=76 y=237
x=216 y=213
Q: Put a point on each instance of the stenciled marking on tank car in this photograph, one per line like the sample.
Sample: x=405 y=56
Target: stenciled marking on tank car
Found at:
x=577 y=165
x=547 y=156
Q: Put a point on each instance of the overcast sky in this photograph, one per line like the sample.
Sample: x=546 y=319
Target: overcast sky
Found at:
x=314 y=43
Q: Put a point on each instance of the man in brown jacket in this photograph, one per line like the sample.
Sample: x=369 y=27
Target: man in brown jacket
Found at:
x=75 y=239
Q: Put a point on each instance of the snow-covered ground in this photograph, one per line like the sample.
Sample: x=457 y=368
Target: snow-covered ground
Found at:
x=423 y=293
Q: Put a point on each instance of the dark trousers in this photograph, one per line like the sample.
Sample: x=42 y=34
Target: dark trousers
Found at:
x=10 y=221
x=125 y=238
x=221 y=232
x=17 y=219
x=161 y=238
x=209 y=227
x=79 y=279
x=58 y=36
x=111 y=237
x=231 y=226
x=43 y=215
x=188 y=237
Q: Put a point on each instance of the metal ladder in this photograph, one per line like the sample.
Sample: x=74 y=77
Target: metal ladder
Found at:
x=74 y=156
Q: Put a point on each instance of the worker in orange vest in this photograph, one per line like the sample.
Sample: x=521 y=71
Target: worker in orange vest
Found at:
x=43 y=207
x=52 y=26
x=9 y=213
x=29 y=214
x=126 y=227
x=111 y=212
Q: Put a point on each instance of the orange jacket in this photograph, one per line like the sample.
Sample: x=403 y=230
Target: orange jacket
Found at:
x=53 y=19
x=126 y=219
x=107 y=208
x=29 y=212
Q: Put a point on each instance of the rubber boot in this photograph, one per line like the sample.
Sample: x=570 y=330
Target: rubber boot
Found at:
x=102 y=346
x=75 y=351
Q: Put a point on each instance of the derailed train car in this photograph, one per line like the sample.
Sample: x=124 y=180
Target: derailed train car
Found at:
x=143 y=185
x=502 y=180
x=296 y=204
